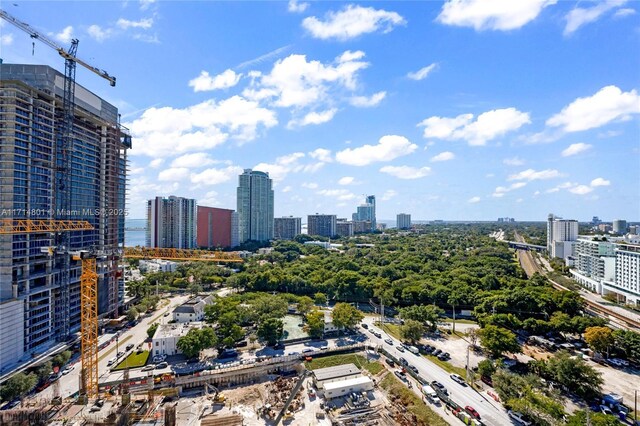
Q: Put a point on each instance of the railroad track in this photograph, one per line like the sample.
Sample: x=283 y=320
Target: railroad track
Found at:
x=530 y=266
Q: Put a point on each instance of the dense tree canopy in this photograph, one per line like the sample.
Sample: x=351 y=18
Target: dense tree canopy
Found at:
x=196 y=340
x=345 y=315
x=499 y=340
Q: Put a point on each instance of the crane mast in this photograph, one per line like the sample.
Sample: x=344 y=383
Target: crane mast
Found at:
x=62 y=203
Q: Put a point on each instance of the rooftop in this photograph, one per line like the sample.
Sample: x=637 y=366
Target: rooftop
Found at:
x=175 y=330
x=346 y=383
x=335 y=372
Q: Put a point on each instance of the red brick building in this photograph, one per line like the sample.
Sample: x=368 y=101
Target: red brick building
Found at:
x=216 y=227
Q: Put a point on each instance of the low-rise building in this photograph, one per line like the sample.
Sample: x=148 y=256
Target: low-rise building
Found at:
x=192 y=310
x=157 y=265
x=165 y=340
x=322 y=376
x=345 y=387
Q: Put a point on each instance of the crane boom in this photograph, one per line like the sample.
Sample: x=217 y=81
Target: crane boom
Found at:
x=65 y=54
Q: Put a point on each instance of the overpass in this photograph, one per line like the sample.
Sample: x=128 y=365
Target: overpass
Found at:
x=525 y=246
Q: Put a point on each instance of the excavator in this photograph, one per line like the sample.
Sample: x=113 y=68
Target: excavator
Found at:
x=218 y=397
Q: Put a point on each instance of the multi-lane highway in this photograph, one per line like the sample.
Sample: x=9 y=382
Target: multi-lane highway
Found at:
x=490 y=411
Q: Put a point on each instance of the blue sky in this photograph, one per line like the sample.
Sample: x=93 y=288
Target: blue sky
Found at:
x=456 y=110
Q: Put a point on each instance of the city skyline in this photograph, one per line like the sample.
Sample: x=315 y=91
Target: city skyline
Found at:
x=484 y=116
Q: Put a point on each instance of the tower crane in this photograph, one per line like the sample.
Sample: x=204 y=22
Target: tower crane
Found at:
x=64 y=148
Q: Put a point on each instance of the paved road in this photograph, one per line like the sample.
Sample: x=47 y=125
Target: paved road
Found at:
x=69 y=384
x=490 y=411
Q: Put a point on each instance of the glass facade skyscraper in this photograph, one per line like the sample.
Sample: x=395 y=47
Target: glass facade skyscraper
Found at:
x=255 y=206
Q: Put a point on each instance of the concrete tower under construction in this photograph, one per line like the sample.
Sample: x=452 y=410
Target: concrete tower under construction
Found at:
x=38 y=309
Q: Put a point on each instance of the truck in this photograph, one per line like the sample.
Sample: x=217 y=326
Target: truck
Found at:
x=413 y=350
x=430 y=393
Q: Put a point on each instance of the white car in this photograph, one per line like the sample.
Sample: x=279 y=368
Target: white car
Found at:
x=518 y=418
x=159 y=358
x=68 y=370
x=388 y=341
x=458 y=379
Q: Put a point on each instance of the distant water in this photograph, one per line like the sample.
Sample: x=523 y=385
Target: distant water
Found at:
x=135 y=235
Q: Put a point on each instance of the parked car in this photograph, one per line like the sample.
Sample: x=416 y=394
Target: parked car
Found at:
x=444 y=356
x=129 y=347
x=388 y=341
x=413 y=368
x=365 y=326
x=307 y=350
x=440 y=387
x=377 y=334
x=163 y=364
x=403 y=361
x=390 y=362
x=68 y=370
x=111 y=361
x=400 y=348
x=436 y=352
x=518 y=417
x=472 y=411
x=428 y=348
x=458 y=379
x=148 y=367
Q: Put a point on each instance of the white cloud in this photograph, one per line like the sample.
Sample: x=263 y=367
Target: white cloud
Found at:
x=286 y=164
x=215 y=176
x=607 y=105
x=501 y=190
x=406 y=172
x=531 y=174
x=621 y=13
x=161 y=132
x=6 y=39
x=388 y=148
x=600 y=182
x=491 y=15
x=145 y=4
x=352 y=22
x=580 y=189
x=66 y=35
x=346 y=180
x=388 y=194
x=198 y=159
x=310 y=185
x=296 y=82
x=98 y=33
x=488 y=125
x=473 y=200
x=581 y=16
x=575 y=148
x=173 y=174
x=365 y=102
x=515 y=161
x=210 y=198
x=204 y=82
x=287 y=188
x=321 y=154
x=143 y=24
x=339 y=194
x=296 y=7
x=443 y=156
x=156 y=163
x=422 y=73
x=313 y=118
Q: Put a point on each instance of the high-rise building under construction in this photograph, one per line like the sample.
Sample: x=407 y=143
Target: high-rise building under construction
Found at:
x=37 y=306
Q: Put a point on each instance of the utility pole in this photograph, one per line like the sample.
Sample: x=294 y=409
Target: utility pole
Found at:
x=635 y=407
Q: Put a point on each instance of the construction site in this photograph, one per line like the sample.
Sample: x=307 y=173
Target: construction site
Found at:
x=293 y=396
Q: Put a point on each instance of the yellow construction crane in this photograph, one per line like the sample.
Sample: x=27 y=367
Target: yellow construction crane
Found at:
x=88 y=291
x=89 y=282
x=180 y=254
